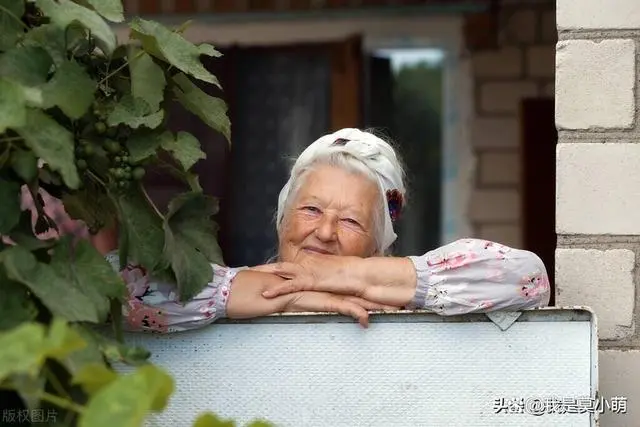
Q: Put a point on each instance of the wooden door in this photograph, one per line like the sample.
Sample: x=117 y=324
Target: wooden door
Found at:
x=539 y=139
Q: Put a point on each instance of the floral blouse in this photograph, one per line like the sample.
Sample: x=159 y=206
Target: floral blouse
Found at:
x=466 y=276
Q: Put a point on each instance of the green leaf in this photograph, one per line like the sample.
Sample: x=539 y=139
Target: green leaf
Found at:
x=94 y=377
x=54 y=39
x=85 y=268
x=142 y=145
x=90 y=354
x=11 y=12
x=26 y=65
x=143 y=227
x=147 y=78
x=208 y=50
x=52 y=143
x=63 y=340
x=65 y=12
x=211 y=110
x=62 y=298
x=171 y=47
x=130 y=355
x=128 y=400
x=10 y=206
x=25 y=164
x=91 y=205
x=15 y=304
x=190 y=241
x=22 y=350
x=134 y=112
x=211 y=420
x=185 y=148
x=110 y=9
x=260 y=423
x=71 y=89
x=13 y=113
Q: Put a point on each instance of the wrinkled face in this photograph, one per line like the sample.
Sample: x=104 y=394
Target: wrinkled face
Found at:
x=332 y=213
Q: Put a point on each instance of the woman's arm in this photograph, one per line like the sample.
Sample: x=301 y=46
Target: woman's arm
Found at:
x=466 y=276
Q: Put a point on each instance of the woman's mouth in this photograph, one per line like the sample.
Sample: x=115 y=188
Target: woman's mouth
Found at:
x=316 y=250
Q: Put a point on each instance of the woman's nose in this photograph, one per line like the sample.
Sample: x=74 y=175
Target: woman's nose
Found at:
x=327 y=229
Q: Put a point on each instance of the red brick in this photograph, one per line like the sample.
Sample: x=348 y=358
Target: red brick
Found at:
x=300 y=4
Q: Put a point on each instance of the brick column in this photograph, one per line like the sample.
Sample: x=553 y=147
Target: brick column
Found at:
x=598 y=183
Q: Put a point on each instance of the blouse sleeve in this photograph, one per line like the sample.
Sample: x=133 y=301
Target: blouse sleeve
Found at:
x=476 y=276
x=153 y=305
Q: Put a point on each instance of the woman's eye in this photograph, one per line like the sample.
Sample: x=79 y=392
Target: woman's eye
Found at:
x=312 y=209
x=351 y=221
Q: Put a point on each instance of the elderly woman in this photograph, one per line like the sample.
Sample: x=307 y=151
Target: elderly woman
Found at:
x=335 y=226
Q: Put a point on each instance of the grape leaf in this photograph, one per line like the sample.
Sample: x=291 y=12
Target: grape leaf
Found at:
x=110 y=9
x=147 y=78
x=26 y=65
x=93 y=377
x=172 y=47
x=134 y=112
x=141 y=145
x=24 y=164
x=129 y=399
x=143 y=228
x=71 y=89
x=13 y=112
x=211 y=110
x=208 y=50
x=22 y=350
x=15 y=305
x=211 y=420
x=25 y=348
x=89 y=354
x=85 y=268
x=185 y=148
x=10 y=13
x=65 y=12
x=91 y=205
x=52 y=143
x=10 y=206
x=62 y=298
x=53 y=39
x=190 y=241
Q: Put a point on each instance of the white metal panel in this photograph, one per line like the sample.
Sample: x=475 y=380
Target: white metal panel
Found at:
x=405 y=370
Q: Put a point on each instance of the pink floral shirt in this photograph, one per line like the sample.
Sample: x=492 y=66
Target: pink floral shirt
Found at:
x=466 y=276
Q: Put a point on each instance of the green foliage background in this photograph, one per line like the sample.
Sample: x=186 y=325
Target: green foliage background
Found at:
x=83 y=118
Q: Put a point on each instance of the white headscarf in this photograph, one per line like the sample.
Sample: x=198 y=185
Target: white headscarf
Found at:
x=375 y=153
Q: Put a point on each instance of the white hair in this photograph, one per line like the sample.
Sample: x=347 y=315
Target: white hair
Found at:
x=359 y=152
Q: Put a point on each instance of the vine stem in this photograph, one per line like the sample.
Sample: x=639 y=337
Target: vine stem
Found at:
x=11 y=139
x=53 y=399
x=120 y=68
x=150 y=202
x=11 y=14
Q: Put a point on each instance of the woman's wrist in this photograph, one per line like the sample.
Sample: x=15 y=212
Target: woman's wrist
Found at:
x=395 y=273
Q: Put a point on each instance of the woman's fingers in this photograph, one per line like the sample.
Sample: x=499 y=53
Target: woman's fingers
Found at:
x=325 y=302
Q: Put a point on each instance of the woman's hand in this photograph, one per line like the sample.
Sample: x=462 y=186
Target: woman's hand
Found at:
x=246 y=300
x=387 y=281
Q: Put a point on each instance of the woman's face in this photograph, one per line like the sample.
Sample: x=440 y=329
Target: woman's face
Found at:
x=332 y=213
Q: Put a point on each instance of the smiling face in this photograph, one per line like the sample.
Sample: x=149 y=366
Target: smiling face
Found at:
x=333 y=212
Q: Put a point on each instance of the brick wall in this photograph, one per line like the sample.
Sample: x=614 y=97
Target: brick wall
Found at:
x=598 y=183
x=231 y=6
x=522 y=66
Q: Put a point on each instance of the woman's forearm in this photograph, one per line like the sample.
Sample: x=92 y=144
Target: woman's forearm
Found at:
x=384 y=273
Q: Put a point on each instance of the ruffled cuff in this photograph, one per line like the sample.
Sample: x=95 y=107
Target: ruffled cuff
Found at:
x=423 y=274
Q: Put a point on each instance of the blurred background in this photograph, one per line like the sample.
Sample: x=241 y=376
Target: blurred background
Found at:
x=463 y=88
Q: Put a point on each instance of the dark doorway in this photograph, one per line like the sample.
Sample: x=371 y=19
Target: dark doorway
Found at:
x=539 y=139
